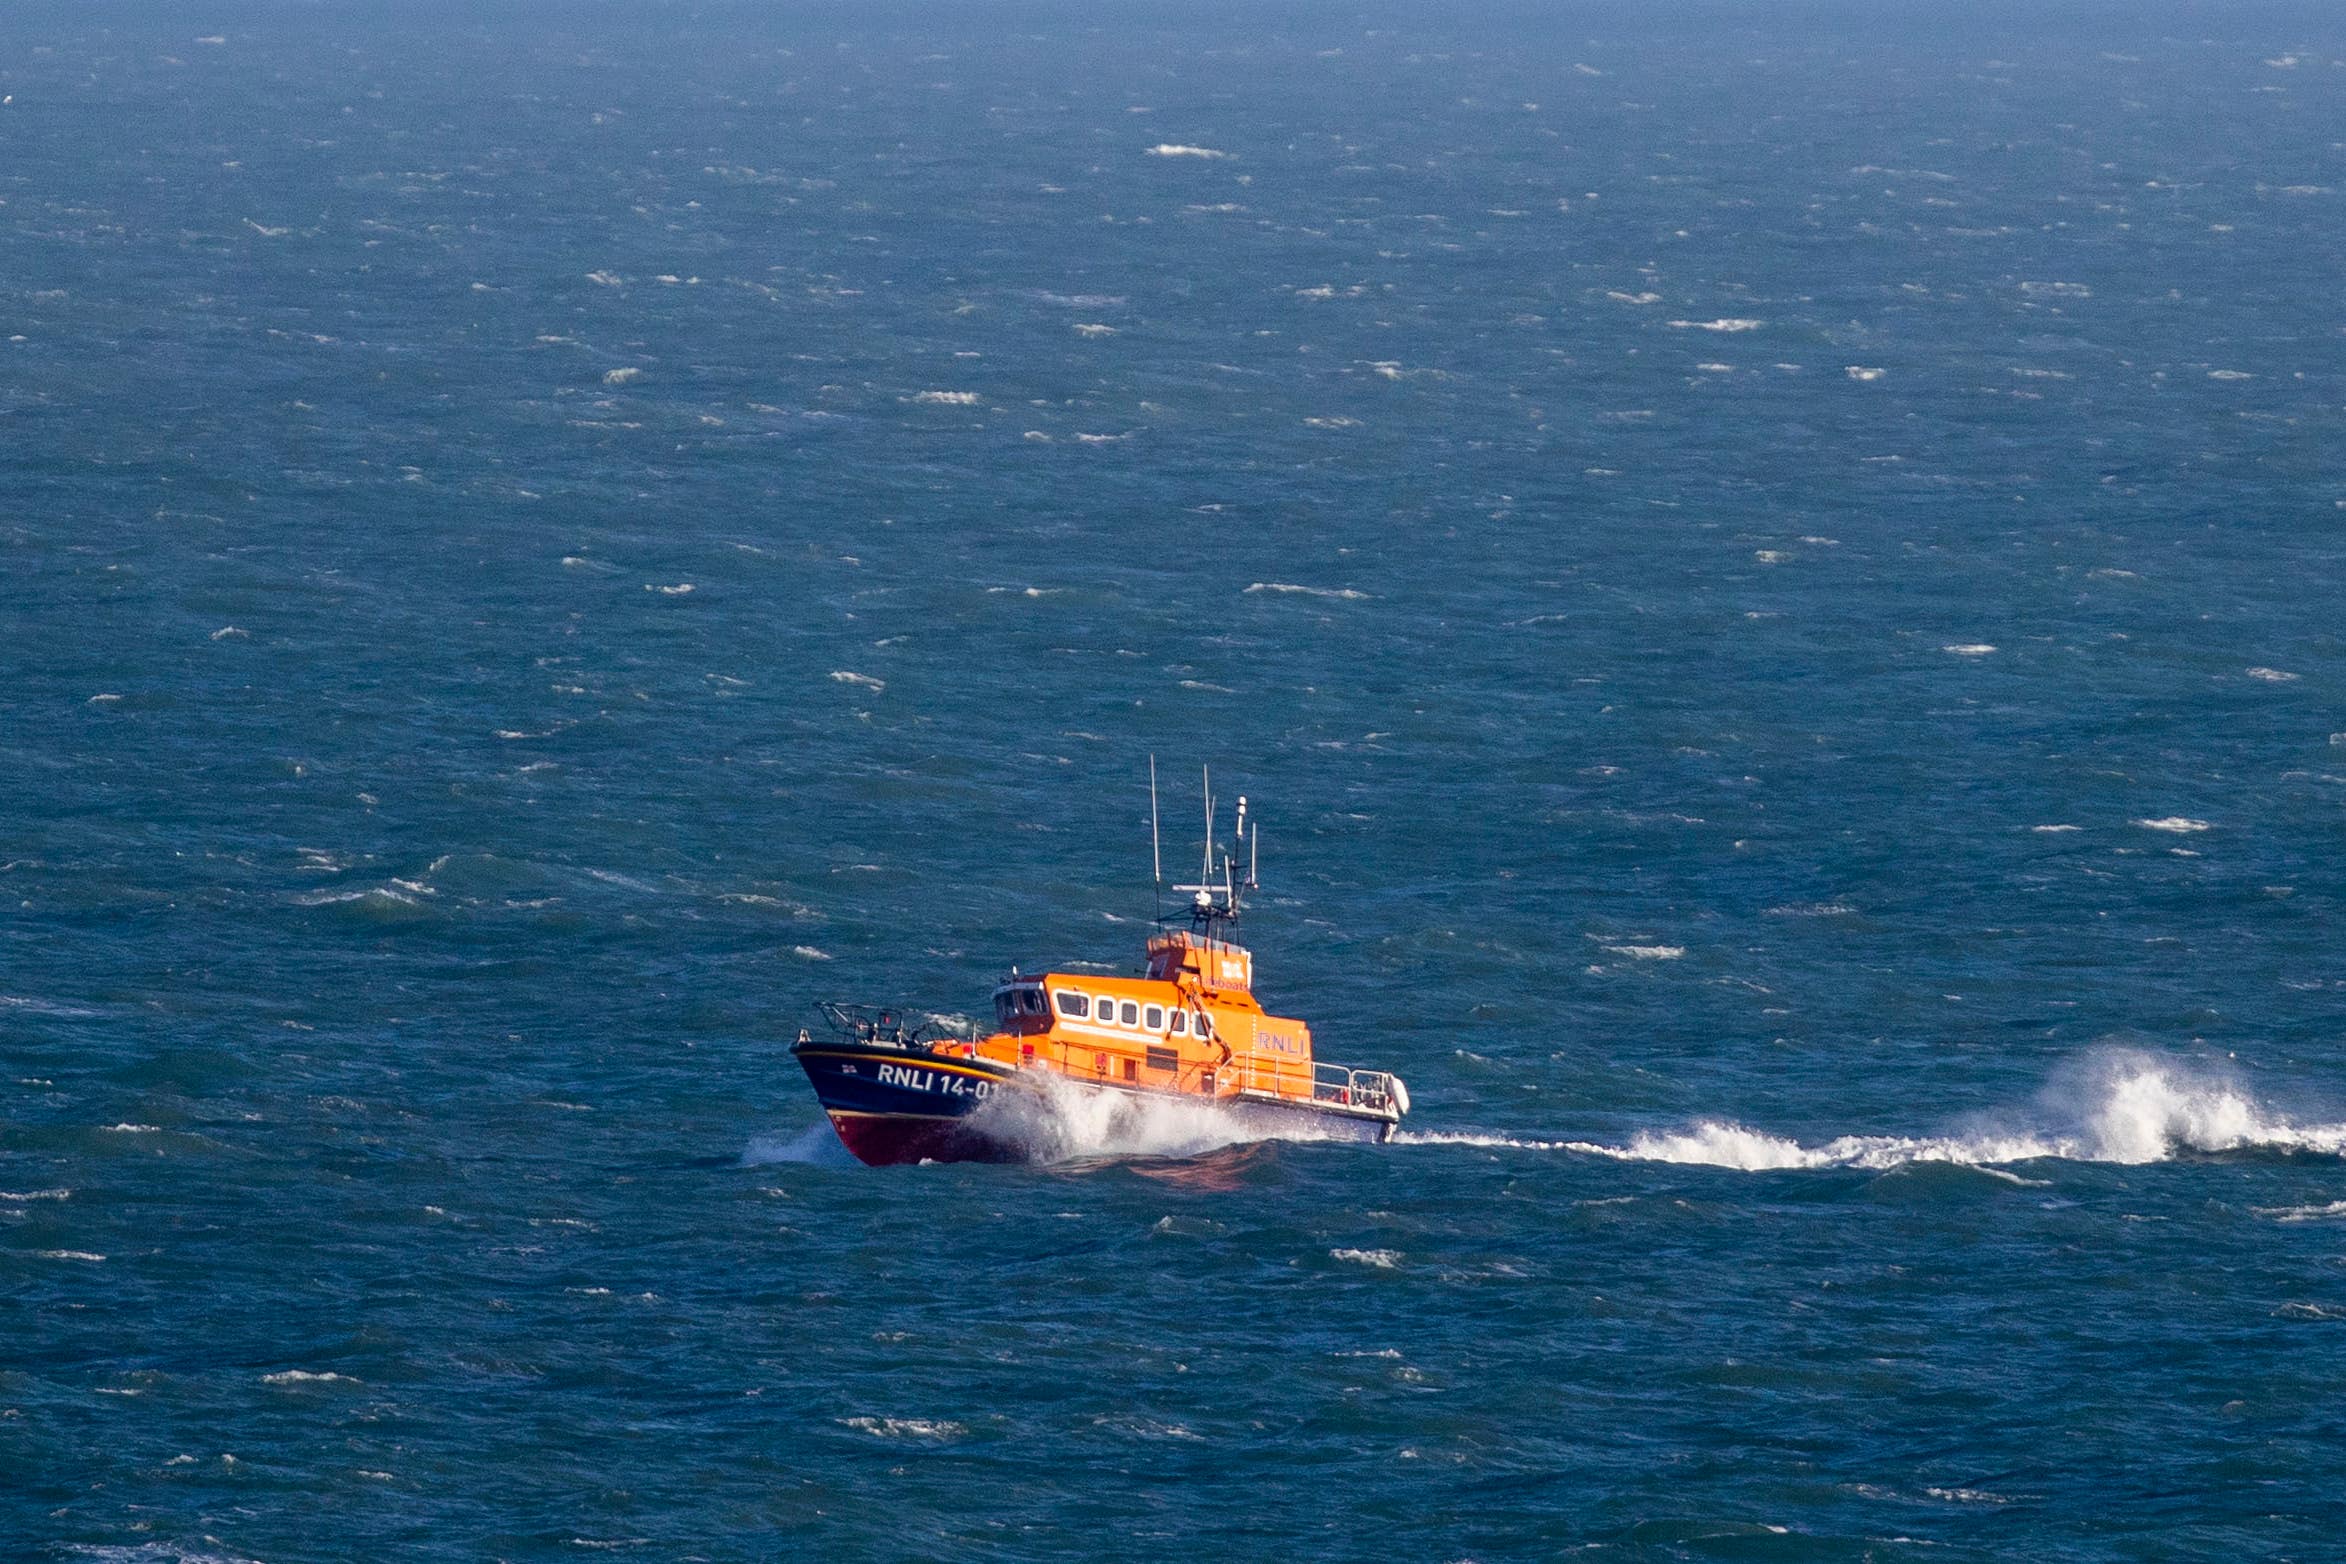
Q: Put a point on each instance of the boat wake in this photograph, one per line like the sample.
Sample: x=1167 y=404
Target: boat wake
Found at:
x=2115 y=1107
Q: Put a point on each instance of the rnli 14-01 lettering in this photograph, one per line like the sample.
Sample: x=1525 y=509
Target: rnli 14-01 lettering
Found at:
x=918 y=1080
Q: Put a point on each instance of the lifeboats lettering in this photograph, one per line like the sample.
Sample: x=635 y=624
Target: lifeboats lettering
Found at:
x=918 y=1080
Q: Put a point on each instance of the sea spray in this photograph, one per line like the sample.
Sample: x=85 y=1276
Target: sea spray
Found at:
x=1066 y=1121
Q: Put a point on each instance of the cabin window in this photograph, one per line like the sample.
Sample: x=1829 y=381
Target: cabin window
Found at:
x=1131 y=1072
x=1077 y=1005
x=1032 y=998
x=1180 y=1021
x=1164 y=1059
x=1005 y=1007
x=1129 y=1013
x=1154 y=1018
x=1202 y=1026
x=1104 y=1008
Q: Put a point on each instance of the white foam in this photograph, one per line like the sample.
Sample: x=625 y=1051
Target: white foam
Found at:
x=305 y=1377
x=1174 y=149
x=16 y=1197
x=809 y=953
x=2272 y=675
x=1649 y=952
x=1969 y=649
x=72 y=1254
x=1863 y=372
x=1728 y=324
x=864 y=680
x=2334 y=1211
x=2179 y=825
x=946 y=398
x=1375 y=1259
x=680 y=589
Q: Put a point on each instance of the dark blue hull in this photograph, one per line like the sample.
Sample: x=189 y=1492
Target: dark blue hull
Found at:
x=892 y=1105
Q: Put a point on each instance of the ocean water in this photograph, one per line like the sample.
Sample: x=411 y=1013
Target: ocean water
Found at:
x=1773 y=575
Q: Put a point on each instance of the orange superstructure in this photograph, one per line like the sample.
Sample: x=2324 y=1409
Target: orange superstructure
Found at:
x=1192 y=1025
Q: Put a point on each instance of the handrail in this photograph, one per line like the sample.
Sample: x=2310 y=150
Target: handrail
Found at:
x=1330 y=1083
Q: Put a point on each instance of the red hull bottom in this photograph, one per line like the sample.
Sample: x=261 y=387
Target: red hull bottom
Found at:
x=892 y=1140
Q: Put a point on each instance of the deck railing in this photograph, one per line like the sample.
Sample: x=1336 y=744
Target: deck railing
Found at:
x=1329 y=1083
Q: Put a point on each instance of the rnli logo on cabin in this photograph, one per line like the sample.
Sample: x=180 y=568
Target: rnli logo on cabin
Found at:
x=1278 y=1041
x=914 y=1079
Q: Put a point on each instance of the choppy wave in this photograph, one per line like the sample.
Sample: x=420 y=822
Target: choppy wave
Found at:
x=1341 y=594
x=2122 y=1108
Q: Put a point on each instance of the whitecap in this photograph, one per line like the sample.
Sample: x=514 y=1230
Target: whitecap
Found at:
x=1969 y=649
x=864 y=680
x=1375 y=1259
x=620 y=377
x=1727 y=324
x=2177 y=824
x=946 y=398
x=306 y=1377
x=680 y=589
x=1345 y=594
x=1175 y=149
x=1649 y=952
x=906 y=1427
x=1863 y=372
x=2272 y=675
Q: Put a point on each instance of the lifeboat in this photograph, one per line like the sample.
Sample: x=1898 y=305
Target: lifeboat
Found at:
x=1188 y=1029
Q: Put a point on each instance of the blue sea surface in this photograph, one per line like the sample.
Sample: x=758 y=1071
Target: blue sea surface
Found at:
x=1775 y=576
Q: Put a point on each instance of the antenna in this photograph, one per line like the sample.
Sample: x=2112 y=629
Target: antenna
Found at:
x=1156 y=848
x=1254 y=849
x=1206 y=864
